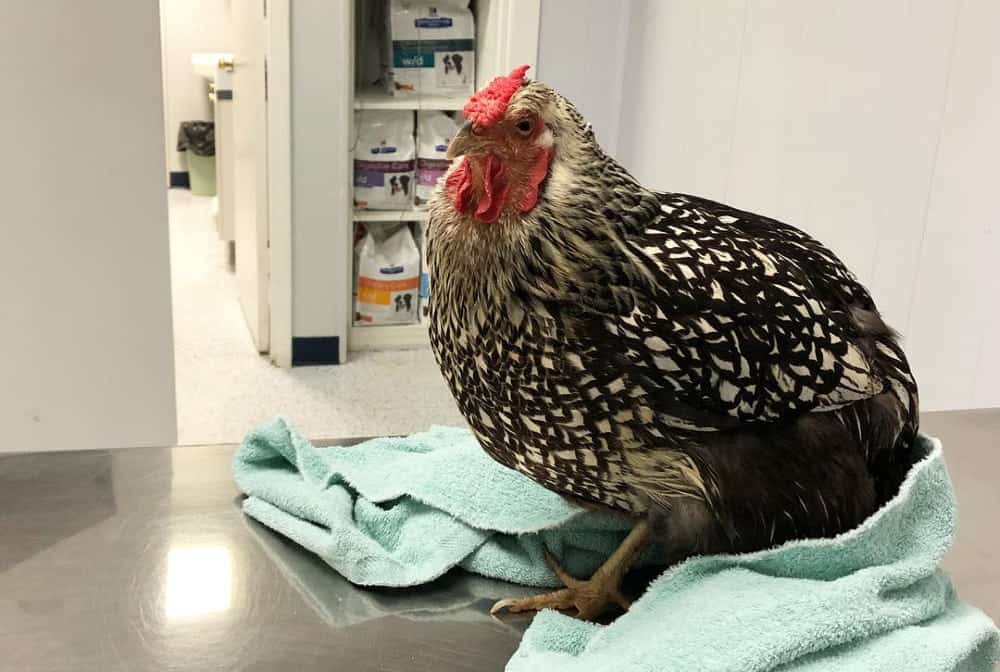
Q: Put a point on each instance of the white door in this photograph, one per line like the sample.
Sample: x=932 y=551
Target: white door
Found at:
x=250 y=190
x=86 y=345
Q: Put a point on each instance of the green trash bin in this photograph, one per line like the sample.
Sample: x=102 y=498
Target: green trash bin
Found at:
x=202 y=172
x=197 y=140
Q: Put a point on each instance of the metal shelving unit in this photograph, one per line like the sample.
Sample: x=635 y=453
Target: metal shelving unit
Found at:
x=374 y=99
x=506 y=36
x=389 y=337
x=412 y=215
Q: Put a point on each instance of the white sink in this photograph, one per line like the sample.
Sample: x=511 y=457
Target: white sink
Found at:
x=205 y=63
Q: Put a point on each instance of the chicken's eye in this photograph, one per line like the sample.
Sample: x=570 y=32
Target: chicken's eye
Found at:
x=524 y=126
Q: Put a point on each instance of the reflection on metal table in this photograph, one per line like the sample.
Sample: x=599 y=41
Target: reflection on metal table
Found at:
x=142 y=559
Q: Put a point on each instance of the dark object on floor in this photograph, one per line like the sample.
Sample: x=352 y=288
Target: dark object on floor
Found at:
x=716 y=375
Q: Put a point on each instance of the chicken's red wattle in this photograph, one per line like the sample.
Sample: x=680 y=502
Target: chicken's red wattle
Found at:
x=495 y=188
x=459 y=185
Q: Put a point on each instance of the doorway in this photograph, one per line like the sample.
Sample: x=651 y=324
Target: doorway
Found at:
x=216 y=149
x=232 y=364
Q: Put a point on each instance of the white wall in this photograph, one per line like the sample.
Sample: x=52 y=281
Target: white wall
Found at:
x=872 y=126
x=321 y=35
x=581 y=52
x=187 y=27
x=954 y=320
x=86 y=352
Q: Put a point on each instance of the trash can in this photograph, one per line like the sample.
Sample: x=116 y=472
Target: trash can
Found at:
x=197 y=139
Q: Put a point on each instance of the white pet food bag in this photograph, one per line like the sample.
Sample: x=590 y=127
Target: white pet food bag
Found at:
x=360 y=231
x=434 y=130
x=384 y=160
x=388 y=276
x=433 y=48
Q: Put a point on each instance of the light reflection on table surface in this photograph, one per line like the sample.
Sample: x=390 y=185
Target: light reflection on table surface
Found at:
x=142 y=559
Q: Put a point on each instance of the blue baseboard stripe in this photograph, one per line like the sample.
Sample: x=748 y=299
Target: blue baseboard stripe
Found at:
x=180 y=179
x=315 y=350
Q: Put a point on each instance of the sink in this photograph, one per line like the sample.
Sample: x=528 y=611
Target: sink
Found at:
x=205 y=63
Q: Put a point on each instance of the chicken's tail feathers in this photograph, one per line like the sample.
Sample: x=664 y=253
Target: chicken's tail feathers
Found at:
x=886 y=425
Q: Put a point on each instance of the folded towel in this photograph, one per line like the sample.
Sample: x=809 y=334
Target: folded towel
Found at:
x=400 y=512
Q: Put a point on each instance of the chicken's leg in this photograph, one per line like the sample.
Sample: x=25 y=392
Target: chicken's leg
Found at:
x=591 y=597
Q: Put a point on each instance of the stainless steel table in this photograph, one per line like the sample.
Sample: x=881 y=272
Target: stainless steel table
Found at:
x=140 y=559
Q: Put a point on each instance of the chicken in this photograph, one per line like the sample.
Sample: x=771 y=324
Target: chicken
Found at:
x=719 y=377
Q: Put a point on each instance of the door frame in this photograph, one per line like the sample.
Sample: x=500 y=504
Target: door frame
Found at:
x=279 y=178
x=518 y=34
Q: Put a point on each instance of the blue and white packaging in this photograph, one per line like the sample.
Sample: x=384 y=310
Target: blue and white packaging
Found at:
x=435 y=130
x=432 y=46
x=384 y=160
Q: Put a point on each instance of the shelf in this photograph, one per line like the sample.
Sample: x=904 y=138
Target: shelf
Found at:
x=374 y=99
x=391 y=215
x=389 y=337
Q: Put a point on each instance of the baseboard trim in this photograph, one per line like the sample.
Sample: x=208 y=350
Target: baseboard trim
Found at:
x=180 y=179
x=315 y=350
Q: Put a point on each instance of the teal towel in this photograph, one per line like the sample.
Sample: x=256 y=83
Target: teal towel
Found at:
x=400 y=512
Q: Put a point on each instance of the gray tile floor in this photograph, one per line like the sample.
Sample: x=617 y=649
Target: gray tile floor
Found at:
x=224 y=387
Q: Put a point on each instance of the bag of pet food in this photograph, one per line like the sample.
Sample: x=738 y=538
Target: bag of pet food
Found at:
x=434 y=131
x=388 y=270
x=432 y=44
x=384 y=160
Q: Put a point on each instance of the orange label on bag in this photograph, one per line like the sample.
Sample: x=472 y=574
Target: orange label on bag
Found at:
x=388 y=285
x=372 y=296
x=379 y=292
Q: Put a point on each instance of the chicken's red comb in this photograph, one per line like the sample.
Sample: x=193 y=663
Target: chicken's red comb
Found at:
x=487 y=106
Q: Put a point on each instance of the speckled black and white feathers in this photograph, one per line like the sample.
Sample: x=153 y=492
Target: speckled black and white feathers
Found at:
x=615 y=342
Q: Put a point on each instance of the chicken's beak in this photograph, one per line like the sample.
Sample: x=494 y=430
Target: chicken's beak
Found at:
x=462 y=141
